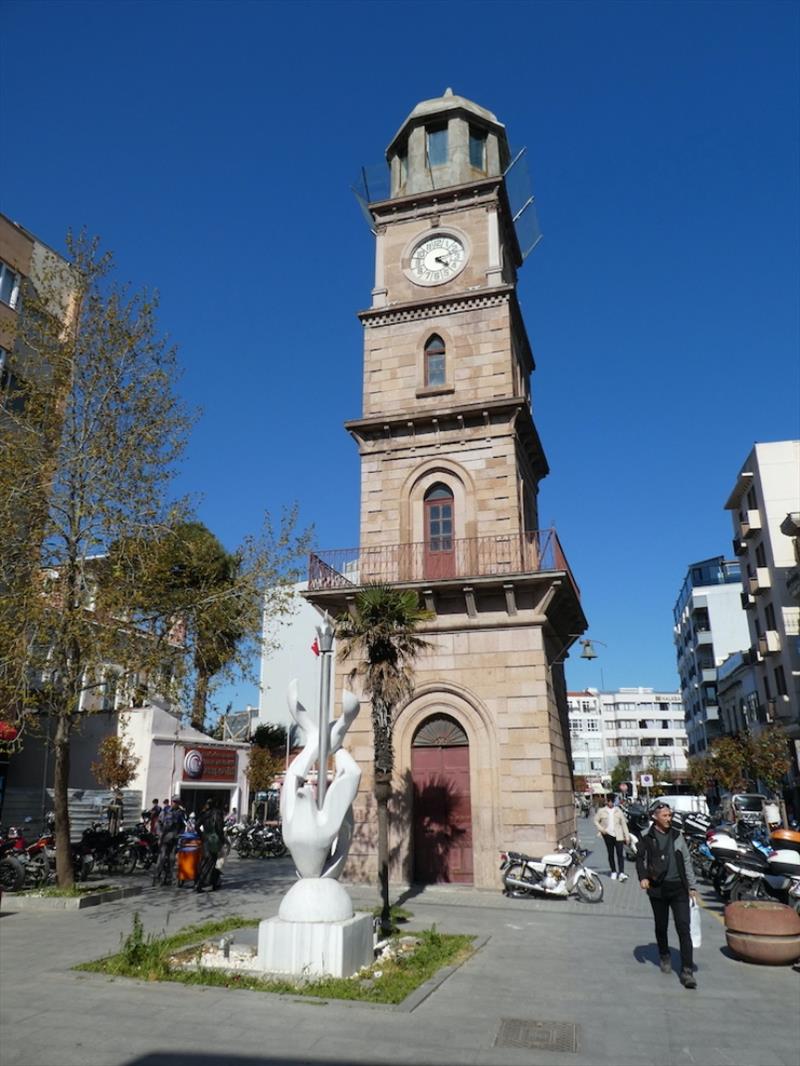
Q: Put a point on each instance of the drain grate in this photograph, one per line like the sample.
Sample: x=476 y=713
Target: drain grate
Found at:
x=539 y=1036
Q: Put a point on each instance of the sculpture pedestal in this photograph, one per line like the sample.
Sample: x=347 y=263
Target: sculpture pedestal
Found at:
x=332 y=949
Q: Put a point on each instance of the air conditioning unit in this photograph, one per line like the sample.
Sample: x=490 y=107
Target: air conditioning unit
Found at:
x=760 y=581
x=749 y=524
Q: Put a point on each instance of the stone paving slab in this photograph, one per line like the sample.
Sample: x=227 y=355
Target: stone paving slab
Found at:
x=595 y=966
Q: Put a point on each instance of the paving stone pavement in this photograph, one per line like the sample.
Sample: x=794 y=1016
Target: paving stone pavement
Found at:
x=593 y=967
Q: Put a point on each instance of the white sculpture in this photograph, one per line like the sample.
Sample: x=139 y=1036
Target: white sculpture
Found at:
x=318 y=828
x=315 y=931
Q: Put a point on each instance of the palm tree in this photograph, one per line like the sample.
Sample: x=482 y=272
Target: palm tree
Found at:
x=381 y=634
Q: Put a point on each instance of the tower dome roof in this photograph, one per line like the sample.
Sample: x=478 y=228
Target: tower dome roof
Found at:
x=438 y=105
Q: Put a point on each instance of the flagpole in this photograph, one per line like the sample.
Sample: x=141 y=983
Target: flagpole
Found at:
x=325 y=636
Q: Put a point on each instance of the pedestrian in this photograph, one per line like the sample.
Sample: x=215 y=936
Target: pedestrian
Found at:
x=165 y=805
x=173 y=823
x=115 y=813
x=153 y=816
x=610 y=820
x=212 y=833
x=666 y=873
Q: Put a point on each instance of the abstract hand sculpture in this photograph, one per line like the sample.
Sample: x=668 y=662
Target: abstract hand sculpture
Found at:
x=319 y=836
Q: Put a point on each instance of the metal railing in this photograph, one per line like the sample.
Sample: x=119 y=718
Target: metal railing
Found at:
x=442 y=560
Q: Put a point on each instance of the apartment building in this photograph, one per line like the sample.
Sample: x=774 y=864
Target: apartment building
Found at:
x=640 y=724
x=764 y=506
x=709 y=625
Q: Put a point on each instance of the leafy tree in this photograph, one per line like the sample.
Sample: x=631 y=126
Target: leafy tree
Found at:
x=381 y=633
x=229 y=604
x=262 y=768
x=768 y=757
x=729 y=758
x=116 y=764
x=87 y=453
x=271 y=737
x=620 y=773
x=700 y=771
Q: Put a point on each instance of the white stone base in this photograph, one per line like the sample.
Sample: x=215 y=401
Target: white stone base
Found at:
x=332 y=949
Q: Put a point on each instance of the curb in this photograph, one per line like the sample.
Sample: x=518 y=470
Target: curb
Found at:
x=12 y=903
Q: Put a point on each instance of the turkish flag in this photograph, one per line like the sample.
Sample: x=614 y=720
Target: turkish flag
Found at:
x=315 y=646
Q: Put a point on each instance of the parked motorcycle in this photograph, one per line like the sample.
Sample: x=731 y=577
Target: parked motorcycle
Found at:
x=772 y=876
x=561 y=873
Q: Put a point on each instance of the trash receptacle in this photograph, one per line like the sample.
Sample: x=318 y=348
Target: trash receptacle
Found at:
x=190 y=854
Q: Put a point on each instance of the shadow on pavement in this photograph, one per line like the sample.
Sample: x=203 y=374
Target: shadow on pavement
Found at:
x=172 y=1058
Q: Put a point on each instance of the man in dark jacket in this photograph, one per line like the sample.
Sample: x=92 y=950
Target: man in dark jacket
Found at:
x=665 y=871
x=212 y=832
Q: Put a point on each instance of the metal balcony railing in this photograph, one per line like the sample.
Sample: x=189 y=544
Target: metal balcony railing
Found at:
x=441 y=559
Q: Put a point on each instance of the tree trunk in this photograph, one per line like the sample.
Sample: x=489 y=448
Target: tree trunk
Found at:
x=64 y=871
x=199 y=702
x=383 y=789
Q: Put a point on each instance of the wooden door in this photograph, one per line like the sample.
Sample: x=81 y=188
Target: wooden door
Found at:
x=442 y=814
x=439 y=532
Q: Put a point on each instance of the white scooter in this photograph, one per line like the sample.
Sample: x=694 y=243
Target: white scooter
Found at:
x=559 y=874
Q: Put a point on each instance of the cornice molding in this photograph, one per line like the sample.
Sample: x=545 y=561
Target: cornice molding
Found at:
x=441 y=305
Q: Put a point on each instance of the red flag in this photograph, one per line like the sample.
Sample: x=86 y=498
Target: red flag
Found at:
x=315 y=646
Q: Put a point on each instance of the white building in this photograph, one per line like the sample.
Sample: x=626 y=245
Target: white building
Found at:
x=709 y=625
x=294 y=658
x=766 y=494
x=639 y=724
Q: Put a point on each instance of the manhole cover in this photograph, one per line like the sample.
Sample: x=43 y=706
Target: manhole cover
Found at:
x=540 y=1036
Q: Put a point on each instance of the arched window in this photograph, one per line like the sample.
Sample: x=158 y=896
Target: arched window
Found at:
x=439 y=529
x=434 y=361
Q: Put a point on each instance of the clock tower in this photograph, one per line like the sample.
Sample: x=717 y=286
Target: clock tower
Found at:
x=450 y=468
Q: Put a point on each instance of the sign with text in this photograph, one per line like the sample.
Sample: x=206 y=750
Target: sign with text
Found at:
x=646 y=780
x=209 y=764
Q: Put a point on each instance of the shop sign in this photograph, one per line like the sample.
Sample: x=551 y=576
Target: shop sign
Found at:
x=209 y=764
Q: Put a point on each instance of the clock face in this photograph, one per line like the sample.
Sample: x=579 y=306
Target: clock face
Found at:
x=436 y=260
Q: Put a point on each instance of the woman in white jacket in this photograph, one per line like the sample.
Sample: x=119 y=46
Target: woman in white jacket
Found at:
x=614 y=830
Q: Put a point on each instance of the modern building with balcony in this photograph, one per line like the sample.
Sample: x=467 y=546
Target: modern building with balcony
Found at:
x=450 y=468
x=709 y=625
x=764 y=506
x=638 y=724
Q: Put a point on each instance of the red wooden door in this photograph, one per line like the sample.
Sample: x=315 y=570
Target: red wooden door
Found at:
x=442 y=822
x=439 y=527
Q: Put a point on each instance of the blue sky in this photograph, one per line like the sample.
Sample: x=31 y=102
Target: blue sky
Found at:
x=212 y=146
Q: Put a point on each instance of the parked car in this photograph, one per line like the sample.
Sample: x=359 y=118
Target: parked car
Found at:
x=747 y=807
x=685 y=804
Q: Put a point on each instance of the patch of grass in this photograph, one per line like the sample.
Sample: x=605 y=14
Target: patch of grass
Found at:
x=69 y=893
x=147 y=957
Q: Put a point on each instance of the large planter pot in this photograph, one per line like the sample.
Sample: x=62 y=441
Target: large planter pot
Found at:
x=763 y=931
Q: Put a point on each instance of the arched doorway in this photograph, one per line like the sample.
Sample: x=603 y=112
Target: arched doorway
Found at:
x=442 y=819
x=439 y=532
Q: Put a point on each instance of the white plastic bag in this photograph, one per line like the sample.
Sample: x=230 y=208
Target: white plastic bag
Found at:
x=694 y=925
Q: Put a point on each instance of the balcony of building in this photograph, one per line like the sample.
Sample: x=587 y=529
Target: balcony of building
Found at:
x=769 y=643
x=749 y=523
x=760 y=581
x=525 y=573
x=439 y=560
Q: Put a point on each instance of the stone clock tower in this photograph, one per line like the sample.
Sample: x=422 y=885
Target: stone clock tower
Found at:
x=450 y=469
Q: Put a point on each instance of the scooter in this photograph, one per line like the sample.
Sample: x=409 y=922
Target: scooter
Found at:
x=559 y=874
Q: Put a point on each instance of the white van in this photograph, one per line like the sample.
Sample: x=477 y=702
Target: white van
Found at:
x=685 y=804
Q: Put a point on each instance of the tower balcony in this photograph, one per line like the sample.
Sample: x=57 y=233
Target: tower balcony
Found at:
x=446 y=559
x=509 y=579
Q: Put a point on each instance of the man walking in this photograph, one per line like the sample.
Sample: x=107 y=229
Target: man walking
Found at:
x=614 y=830
x=665 y=871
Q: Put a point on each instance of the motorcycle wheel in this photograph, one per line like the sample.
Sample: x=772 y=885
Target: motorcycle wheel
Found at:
x=515 y=870
x=37 y=870
x=751 y=889
x=243 y=847
x=280 y=850
x=719 y=885
x=590 y=888
x=12 y=874
x=127 y=860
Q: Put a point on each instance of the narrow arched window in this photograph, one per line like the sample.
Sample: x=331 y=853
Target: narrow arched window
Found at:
x=434 y=361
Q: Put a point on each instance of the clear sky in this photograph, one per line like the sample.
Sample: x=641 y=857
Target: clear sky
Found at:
x=212 y=146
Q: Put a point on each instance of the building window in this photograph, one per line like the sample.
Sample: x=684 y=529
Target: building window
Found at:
x=434 y=362
x=477 y=148
x=751 y=498
x=780 y=681
x=592 y=725
x=437 y=145
x=769 y=617
x=439 y=519
x=9 y=285
x=761 y=555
